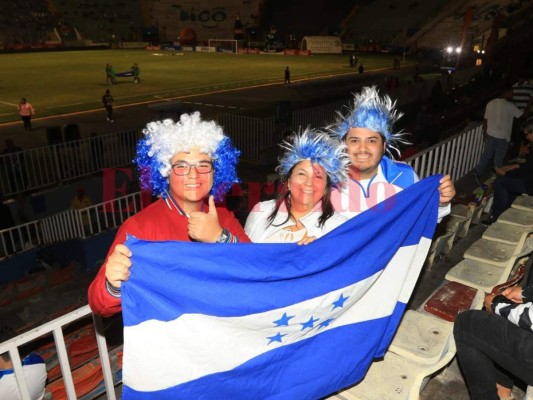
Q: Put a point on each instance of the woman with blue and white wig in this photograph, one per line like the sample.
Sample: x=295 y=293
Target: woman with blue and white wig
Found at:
x=311 y=166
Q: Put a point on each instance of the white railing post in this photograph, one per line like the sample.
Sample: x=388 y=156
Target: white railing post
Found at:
x=460 y=158
x=55 y=327
x=64 y=363
x=104 y=357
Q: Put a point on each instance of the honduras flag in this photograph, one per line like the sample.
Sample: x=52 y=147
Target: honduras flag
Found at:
x=273 y=321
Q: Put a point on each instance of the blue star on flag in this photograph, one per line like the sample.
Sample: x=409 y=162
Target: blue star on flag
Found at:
x=276 y=338
x=309 y=324
x=284 y=320
x=339 y=302
x=325 y=323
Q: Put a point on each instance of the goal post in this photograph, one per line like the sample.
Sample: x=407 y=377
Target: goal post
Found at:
x=224 y=45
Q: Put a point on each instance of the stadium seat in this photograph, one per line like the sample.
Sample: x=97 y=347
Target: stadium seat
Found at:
x=441 y=244
x=422 y=338
x=458 y=224
x=523 y=203
x=493 y=253
x=517 y=217
x=394 y=377
x=478 y=275
x=506 y=233
x=451 y=299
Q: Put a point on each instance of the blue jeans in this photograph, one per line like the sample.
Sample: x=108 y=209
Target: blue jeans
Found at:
x=491 y=350
x=494 y=149
x=506 y=189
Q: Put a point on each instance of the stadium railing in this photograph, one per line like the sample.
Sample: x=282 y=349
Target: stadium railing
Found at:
x=455 y=156
x=70 y=224
x=53 y=165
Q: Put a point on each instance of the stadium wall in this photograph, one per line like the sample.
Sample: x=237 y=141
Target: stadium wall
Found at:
x=192 y=23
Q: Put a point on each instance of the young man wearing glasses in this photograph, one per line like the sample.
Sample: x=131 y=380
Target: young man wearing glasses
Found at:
x=189 y=164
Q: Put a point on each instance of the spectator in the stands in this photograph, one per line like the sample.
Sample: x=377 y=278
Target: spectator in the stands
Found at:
x=522 y=92
x=495 y=346
x=81 y=201
x=497 y=126
x=34 y=372
x=514 y=179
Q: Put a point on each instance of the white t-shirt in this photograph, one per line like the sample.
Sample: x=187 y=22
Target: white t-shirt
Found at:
x=358 y=196
x=35 y=372
x=499 y=114
x=259 y=230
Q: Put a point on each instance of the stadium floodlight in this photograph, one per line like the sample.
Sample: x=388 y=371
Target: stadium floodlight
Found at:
x=449 y=49
x=458 y=50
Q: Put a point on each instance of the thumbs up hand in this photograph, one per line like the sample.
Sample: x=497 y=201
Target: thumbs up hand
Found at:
x=204 y=227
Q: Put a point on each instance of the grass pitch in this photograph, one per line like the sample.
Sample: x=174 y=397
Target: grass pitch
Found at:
x=64 y=82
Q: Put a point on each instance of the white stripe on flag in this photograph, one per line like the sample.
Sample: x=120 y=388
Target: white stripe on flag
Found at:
x=184 y=349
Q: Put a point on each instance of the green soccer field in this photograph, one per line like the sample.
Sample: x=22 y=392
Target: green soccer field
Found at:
x=65 y=82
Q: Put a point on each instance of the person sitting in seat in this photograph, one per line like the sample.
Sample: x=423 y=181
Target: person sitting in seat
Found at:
x=496 y=345
x=513 y=180
x=34 y=371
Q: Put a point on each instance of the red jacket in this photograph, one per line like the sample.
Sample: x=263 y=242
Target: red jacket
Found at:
x=159 y=221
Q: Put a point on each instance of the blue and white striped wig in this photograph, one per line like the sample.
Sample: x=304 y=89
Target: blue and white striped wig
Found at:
x=373 y=112
x=318 y=147
x=163 y=139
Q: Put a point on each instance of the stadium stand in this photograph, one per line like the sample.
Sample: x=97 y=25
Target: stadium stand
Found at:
x=382 y=20
x=99 y=20
x=24 y=23
x=446 y=30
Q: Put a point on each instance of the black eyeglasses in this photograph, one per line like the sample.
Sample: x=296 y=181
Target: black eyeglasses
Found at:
x=183 y=168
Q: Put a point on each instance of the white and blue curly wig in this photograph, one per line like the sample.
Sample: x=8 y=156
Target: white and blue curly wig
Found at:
x=318 y=147
x=370 y=110
x=163 y=139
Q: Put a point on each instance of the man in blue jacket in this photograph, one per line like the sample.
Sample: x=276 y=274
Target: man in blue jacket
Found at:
x=373 y=177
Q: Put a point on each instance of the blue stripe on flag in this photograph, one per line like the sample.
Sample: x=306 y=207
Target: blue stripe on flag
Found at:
x=348 y=349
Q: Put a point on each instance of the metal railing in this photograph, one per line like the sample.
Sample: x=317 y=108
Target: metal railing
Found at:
x=456 y=156
x=51 y=165
x=56 y=328
x=250 y=135
x=71 y=224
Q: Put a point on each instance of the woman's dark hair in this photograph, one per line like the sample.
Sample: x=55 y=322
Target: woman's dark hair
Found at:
x=284 y=197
